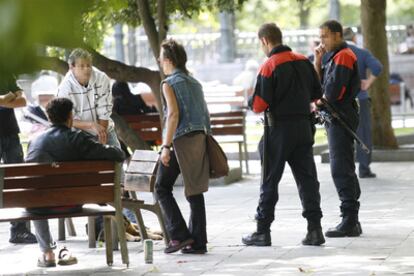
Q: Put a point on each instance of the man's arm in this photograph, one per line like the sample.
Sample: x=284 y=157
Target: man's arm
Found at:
x=92 y=150
x=261 y=97
x=375 y=67
x=318 y=53
x=337 y=83
x=13 y=99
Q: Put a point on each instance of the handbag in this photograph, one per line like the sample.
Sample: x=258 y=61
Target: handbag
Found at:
x=217 y=158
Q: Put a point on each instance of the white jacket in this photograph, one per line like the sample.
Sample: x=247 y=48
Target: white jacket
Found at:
x=91 y=103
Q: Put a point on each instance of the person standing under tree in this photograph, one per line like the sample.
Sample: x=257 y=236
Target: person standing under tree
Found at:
x=184 y=150
x=365 y=61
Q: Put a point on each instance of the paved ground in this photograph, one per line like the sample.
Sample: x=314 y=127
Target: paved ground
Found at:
x=385 y=248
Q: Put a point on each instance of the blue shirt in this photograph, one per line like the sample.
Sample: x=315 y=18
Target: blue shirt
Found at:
x=365 y=61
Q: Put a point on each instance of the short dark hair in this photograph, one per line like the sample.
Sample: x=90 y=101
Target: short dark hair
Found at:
x=271 y=32
x=58 y=110
x=349 y=33
x=333 y=26
x=175 y=52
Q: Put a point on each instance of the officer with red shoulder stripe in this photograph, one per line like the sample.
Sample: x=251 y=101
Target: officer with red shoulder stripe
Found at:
x=286 y=86
x=341 y=84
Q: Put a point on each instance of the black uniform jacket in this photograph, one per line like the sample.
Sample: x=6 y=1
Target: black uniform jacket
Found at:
x=60 y=143
x=287 y=82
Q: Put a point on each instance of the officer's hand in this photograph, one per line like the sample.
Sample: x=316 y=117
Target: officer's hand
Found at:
x=319 y=52
x=365 y=84
x=165 y=157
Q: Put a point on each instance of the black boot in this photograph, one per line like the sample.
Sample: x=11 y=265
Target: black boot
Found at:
x=349 y=227
x=314 y=235
x=258 y=239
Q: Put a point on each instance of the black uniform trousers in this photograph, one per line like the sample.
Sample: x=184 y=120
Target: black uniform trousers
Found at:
x=175 y=223
x=291 y=142
x=341 y=155
x=364 y=132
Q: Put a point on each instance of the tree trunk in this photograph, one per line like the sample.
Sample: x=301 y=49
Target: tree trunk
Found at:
x=227 y=39
x=334 y=9
x=373 y=21
x=127 y=135
x=303 y=14
x=149 y=26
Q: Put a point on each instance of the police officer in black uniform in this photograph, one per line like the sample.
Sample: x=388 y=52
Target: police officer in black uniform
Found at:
x=341 y=84
x=286 y=85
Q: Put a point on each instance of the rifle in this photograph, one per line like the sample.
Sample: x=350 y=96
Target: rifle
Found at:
x=330 y=113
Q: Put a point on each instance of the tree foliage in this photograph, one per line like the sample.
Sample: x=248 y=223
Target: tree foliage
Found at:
x=25 y=24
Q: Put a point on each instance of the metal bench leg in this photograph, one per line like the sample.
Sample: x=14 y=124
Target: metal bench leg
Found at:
x=91 y=232
x=61 y=229
x=70 y=227
x=240 y=156
x=141 y=225
x=115 y=239
x=108 y=241
x=246 y=155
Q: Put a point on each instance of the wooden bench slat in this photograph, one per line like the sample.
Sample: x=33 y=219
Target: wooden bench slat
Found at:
x=19 y=214
x=139 y=182
x=234 y=130
x=225 y=122
x=227 y=114
x=62 y=168
x=144 y=167
x=54 y=181
x=64 y=196
x=145 y=155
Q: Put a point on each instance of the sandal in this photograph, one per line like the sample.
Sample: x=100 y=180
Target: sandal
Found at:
x=42 y=262
x=66 y=258
x=176 y=245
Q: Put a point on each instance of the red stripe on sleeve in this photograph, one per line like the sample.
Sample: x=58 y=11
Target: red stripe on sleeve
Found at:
x=341 y=94
x=259 y=105
x=346 y=58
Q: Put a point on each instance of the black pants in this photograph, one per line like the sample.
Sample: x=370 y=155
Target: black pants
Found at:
x=11 y=152
x=364 y=132
x=341 y=154
x=289 y=142
x=175 y=223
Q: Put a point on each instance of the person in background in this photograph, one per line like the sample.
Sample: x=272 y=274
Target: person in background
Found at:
x=90 y=91
x=365 y=61
x=11 y=150
x=61 y=143
x=184 y=151
x=126 y=103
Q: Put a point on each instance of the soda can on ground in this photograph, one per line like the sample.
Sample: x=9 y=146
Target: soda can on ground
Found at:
x=148 y=251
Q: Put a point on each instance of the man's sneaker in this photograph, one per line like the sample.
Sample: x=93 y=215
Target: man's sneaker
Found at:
x=23 y=237
x=257 y=239
x=314 y=237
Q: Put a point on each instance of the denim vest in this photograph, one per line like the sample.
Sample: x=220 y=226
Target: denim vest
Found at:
x=193 y=112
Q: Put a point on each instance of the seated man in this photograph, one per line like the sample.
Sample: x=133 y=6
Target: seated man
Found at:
x=61 y=143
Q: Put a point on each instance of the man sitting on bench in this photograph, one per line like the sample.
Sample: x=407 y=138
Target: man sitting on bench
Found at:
x=61 y=143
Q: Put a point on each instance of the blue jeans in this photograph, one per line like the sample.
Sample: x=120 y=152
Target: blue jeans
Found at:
x=11 y=151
